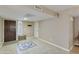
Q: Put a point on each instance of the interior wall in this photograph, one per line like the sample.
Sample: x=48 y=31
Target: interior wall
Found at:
x=28 y=30
x=1 y=31
x=36 y=28
x=71 y=33
x=76 y=23
x=19 y=28
x=57 y=31
x=24 y=29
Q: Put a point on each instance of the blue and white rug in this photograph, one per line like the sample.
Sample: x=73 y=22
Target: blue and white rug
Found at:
x=25 y=46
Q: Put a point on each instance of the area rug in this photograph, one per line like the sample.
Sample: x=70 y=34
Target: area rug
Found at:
x=25 y=46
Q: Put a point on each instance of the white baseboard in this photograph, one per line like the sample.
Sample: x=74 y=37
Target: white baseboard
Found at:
x=55 y=45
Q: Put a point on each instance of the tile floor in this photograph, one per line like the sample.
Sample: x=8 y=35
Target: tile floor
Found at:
x=40 y=48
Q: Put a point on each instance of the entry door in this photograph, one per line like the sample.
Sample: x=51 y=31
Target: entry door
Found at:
x=9 y=30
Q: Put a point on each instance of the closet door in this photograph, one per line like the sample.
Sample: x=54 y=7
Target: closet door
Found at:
x=9 y=30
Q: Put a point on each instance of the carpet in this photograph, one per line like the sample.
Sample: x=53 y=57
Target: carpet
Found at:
x=25 y=45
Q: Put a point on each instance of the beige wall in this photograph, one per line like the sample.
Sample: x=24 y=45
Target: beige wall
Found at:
x=28 y=30
x=19 y=28
x=36 y=28
x=1 y=31
x=24 y=29
x=57 y=31
x=76 y=23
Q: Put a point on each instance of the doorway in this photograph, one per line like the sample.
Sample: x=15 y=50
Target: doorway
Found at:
x=75 y=48
x=9 y=30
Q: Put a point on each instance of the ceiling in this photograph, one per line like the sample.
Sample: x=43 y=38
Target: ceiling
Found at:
x=59 y=8
x=31 y=13
x=21 y=13
x=72 y=10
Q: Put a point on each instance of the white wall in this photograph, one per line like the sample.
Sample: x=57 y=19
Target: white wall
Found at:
x=28 y=30
x=1 y=31
x=20 y=28
x=71 y=33
x=36 y=28
x=76 y=23
x=24 y=29
x=57 y=31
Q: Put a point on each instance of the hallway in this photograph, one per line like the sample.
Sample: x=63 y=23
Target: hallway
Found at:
x=40 y=48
